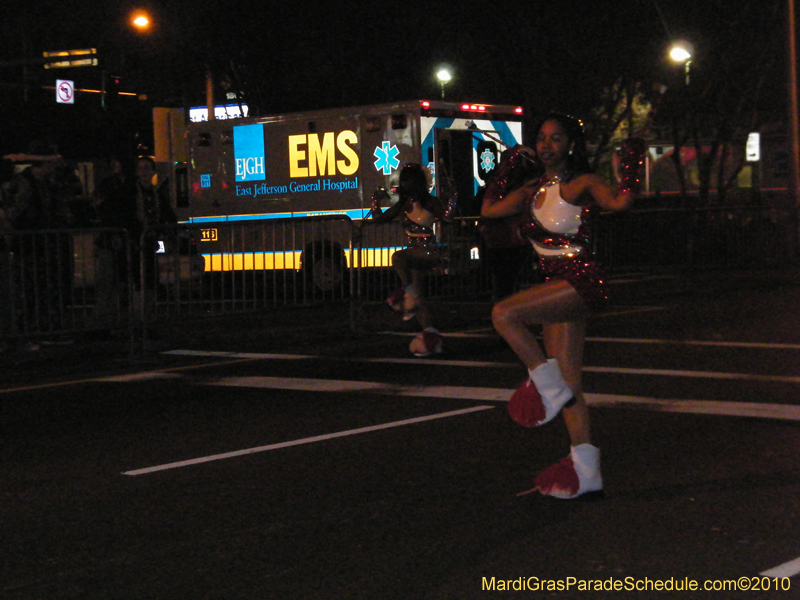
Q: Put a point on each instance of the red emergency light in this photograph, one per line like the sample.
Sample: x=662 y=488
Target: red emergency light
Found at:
x=472 y=107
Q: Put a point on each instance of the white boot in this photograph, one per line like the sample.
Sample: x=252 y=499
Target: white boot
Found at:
x=576 y=474
x=409 y=302
x=539 y=400
x=395 y=299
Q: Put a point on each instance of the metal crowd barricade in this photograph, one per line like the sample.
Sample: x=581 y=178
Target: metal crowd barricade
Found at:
x=60 y=283
x=462 y=272
x=459 y=274
x=244 y=266
x=52 y=281
x=374 y=244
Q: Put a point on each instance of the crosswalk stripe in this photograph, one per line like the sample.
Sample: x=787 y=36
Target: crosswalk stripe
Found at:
x=707 y=407
x=497 y=364
x=789 y=569
x=338 y=385
x=308 y=440
x=700 y=374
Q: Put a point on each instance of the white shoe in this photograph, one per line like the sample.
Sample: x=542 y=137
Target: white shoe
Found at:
x=409 y=304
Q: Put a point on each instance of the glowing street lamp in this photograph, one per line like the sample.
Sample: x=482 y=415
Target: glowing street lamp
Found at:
x=140 y=20
x=444 y=76
x=682 y=52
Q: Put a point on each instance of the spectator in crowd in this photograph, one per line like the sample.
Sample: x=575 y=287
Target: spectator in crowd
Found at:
x=43 y=255
x=115 y=208
x=129 y=200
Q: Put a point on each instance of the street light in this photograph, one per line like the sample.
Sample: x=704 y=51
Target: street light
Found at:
x=682 y=52
x=444 y=76
x=140 y=20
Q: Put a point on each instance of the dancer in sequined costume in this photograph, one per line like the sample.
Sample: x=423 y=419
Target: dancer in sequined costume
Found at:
x=419 y=211
x=556 y=207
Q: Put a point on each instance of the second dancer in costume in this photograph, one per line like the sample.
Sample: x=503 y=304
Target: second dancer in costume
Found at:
x=419 y=211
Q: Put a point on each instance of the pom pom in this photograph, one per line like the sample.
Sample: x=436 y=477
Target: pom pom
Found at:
x=426 y=343
x=526 y=407
x=514 y=169
x=452 y=205
x=632 y=156
x=377 y=196
x=559 y=480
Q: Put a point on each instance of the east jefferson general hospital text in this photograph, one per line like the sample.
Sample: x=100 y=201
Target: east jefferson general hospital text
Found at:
x=263 y=189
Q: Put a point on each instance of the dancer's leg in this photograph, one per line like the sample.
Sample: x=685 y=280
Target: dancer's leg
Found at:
x=551 y=302
x=565 y=343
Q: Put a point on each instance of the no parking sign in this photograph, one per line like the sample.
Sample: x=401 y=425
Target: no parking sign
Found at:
x=65 y=91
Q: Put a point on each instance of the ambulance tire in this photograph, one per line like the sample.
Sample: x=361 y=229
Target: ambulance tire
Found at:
x=324 y=268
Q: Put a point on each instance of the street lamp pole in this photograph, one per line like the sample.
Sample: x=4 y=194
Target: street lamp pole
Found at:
x=682 y=52
x=794 y=124
x=443 y=75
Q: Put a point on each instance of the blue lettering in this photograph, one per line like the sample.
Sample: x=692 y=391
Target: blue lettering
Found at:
x=304 y=187
x=261 y=189
x=340 y=186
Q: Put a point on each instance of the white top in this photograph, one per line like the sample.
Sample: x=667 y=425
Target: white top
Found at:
x=420 y=216
x=556 y=214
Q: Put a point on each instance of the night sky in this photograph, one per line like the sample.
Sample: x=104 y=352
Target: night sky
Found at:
x=298 y=55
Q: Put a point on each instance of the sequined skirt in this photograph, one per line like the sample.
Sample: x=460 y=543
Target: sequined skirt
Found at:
x=424 y=242
x=586 y=276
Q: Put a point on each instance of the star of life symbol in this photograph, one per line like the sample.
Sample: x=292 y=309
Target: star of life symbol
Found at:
x=487 y=160
x=387 y=158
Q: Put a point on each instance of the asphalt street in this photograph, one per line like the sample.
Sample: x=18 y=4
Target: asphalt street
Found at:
x=292 y=456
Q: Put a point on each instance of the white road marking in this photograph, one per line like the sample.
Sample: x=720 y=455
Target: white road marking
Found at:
x=700 y=374
x=720 y=343
x=496 y=364
x=257 y=355
x=337 y=385
x=787 y=412
x=628 y=311
x=789 y=569
x=490 y=333
x=144 y=376
x=309 y=440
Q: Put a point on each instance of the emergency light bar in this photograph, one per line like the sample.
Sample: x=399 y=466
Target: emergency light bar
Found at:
x=472 y=107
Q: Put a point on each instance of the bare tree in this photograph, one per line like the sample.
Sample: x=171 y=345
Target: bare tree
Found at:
x=725 y=93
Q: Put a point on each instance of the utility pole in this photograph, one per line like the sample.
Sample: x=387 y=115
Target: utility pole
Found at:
x=210 y=94
x=794 y=124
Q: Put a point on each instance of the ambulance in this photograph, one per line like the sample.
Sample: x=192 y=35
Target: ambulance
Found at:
x=326 y=165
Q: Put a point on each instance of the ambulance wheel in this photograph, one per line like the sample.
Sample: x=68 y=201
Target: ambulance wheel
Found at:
x=323 y=265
